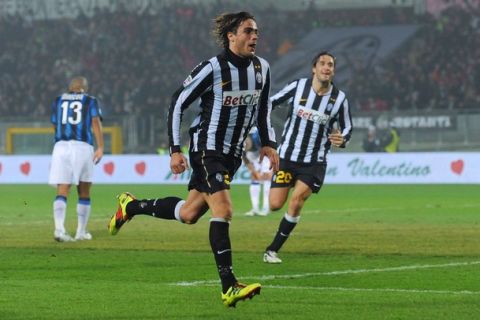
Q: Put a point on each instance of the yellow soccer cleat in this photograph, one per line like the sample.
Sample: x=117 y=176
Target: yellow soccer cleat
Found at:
x=121 y=216
x=239 y=292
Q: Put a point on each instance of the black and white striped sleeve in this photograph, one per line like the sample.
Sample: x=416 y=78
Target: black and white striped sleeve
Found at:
x=286 y=94
x=264 y=124
x=345 y=122
x=199 y=81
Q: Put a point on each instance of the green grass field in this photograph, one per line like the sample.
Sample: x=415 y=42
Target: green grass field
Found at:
x=359 y=252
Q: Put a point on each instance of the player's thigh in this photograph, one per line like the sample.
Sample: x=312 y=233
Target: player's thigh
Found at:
x=61 y=170
x=281 y=182
x=83 y=162
x=300 y=194
x=278 y=197
x=194 y=207
x=220 y=204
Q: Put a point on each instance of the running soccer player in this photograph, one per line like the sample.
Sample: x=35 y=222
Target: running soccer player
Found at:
x=233 y=88
x=316 y=104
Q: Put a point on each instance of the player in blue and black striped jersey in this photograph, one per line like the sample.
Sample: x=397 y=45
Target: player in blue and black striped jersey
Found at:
x=76 y=118
x=233 y=89
x=75 y=114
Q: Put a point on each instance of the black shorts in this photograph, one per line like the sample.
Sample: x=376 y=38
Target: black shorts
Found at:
x=312 y=174
x=212 y=171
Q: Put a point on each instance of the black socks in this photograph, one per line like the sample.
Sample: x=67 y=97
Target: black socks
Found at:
x=283 y=232
x=158 y=208
x=222 y=251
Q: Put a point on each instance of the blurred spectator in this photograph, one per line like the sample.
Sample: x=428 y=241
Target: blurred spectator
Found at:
x=371 y=143
x=390 y=140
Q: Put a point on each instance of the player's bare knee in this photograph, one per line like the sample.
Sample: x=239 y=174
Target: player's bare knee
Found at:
x=275 y=205
x=227 y=214
x=189 y=217
x=190 y=220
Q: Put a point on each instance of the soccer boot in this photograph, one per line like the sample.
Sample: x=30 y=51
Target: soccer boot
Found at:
x=263 y=213
x=239 y=292
x=271 y=257
x=83 y=236
x=62 y=236
x=251 y=213
x=121 y=216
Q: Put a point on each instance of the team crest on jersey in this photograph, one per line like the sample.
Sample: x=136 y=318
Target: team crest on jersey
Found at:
x=258 y=77
x=329 y=107
x=188 y=81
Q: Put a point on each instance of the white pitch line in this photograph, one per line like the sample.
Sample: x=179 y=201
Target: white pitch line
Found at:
x=461 y=292
x=334 y=273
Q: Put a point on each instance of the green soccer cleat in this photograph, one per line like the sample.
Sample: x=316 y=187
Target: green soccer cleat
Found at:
x=121 y=216
x=239 y=292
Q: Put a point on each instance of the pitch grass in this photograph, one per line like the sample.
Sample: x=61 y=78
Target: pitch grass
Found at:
x=359 y=252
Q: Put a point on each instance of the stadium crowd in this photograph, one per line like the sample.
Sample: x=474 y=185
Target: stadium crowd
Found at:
x=436 y=69
x=135 y=61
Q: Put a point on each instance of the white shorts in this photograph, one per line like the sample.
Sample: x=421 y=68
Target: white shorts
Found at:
x=263 y=167
x=72 y=162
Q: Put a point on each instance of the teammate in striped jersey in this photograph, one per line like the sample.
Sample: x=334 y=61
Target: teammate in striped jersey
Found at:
x=233 y=89
x=75 y=115
x=316 y=106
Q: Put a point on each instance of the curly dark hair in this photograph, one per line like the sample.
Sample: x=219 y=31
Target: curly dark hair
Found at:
x=228 y=22
x=323 y=53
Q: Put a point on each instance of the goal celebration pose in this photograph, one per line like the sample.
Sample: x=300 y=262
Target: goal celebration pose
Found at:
x=233 y=89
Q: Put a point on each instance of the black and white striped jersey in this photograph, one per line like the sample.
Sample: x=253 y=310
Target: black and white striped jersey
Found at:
x=310 y=119
x=233 y=94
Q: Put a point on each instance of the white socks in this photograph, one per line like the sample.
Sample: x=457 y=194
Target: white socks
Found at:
x=59 y=212
x=255 y=190
x=83 y=214
x=266 y=196
x=255 y=195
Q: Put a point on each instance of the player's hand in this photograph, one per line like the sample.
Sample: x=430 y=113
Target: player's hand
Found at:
x=178 y=162
x=98 y=155
x=266 y=176
x=256 y=175
x=336 y=138
x=272 y=155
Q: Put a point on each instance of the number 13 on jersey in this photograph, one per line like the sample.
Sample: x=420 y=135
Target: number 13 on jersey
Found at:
x=75 y=117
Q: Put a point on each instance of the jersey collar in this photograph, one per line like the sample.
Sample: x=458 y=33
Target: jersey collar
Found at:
x=237 y=61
